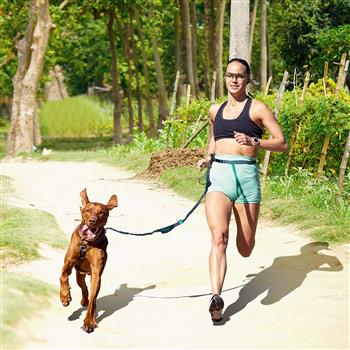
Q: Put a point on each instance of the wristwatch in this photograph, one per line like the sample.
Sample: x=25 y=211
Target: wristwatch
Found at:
x=255 y=141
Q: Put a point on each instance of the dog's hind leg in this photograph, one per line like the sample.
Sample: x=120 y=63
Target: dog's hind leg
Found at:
x=81 y=283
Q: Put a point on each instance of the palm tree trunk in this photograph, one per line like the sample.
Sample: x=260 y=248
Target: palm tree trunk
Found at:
x=239 y=29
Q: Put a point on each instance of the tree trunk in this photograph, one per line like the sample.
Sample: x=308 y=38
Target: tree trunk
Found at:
x=163 y=109
x=220 y=13
x=31 y=54
x=177 y=50
x=263 y=47
x=194 y=38
x=137 y=76
x=149 y=106
x=115 y=80
x=252 y=29
x=206 y=52
x=186 y=31
x=125 y=39
x=239 y=29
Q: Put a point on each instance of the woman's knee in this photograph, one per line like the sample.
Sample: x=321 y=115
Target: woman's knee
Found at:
x=219 y=238
x=245 y=248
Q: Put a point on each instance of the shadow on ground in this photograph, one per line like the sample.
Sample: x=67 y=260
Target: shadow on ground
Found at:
x=109 y=304
x=286 y=274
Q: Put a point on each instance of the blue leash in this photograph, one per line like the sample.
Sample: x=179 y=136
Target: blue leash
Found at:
x=169 y=228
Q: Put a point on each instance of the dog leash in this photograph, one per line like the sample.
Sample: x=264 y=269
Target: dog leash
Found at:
x=169 y=228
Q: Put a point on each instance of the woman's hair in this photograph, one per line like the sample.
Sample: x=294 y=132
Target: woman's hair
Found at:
x=241 y=61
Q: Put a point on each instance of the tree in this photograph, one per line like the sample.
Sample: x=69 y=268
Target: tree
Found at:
x=115 y=79
x=239 y=29
x=186 y=32
x=263 y=47
x=219 y=18
x=162 y=97
x=31 y=53
x=146 y=76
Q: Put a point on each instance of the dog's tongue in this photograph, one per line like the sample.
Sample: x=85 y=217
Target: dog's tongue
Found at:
x=91 y=233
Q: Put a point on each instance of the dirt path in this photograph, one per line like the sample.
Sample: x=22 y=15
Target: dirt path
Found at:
x=154 y=289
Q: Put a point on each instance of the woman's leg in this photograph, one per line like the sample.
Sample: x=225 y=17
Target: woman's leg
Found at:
x=246 y=215
x=218 y=208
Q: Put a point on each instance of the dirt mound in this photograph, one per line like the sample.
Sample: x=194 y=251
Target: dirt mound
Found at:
x=173 y=158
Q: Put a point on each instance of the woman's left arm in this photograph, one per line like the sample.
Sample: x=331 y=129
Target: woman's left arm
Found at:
x=277 y=141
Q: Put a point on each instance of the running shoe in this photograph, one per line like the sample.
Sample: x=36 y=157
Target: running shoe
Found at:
x=215 y=307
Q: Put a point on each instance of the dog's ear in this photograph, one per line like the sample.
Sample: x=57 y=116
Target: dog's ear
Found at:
x=84 y=197
x=113 y=202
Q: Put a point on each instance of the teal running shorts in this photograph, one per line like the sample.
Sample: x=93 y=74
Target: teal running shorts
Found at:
x=238 y=181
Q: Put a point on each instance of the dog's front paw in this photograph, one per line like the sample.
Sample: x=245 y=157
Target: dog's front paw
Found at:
x=89 y=326
x=65 y=298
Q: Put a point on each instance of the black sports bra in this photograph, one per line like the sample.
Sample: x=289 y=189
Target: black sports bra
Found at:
x=224 y=128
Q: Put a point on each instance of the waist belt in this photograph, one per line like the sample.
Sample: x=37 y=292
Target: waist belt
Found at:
x=235 y=161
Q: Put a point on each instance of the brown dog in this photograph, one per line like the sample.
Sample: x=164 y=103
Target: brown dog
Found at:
x=87 y=252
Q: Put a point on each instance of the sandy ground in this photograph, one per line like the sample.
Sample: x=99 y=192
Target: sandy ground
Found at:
x=155 y=289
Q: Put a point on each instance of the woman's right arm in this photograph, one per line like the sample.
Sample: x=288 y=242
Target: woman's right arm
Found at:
x=202 y=163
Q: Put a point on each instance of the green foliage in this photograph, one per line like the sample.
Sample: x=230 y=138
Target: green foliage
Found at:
x=4 y=126
x=81 y=47
x=302 y=31
x=186 y=121
x=76 y=116
x=317 y=117
x=13 y=21
x=331 y=43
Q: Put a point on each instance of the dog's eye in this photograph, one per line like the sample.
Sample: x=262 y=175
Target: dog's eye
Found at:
x=88 y=210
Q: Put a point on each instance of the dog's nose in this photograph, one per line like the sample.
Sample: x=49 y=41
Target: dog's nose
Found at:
x=93 y=220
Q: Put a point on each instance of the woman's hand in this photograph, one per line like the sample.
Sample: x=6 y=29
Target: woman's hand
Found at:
x=203 y=163
x=245 y=140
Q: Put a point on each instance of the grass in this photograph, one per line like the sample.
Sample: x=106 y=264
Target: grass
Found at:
x=76 y=116
x=19 y=242
x=16 y=291
x=298 y=199
x=20 y=230
x=308 y=203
